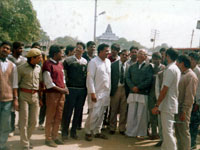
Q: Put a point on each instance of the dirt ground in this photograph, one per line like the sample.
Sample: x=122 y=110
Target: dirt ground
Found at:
x=115 y=142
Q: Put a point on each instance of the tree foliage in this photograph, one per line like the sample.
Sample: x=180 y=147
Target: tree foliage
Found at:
x=157 y=48
x=125 y=44
x=18 y=21
x=64 y=41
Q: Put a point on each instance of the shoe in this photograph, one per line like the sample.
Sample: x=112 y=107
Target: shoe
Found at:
x=122 y=132
x=64 y=137
x=41 y=127
x=25 y=148
x=112 y=132
x=101 y=136
x=31 y=146
x=193 y=147
x=158 y=144
x=153 y=137
x=5 y=148
x=59 y=142
x=11 y=134
x=78 y=128
x=74 y=136
x=88 y=137
x=50 y=143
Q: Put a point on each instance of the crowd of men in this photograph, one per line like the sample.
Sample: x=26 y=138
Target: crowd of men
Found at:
x=126 y=91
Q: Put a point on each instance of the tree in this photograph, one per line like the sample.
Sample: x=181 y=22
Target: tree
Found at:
x=127 y=44
x=18 y=21
x=64 y=41
x=157 y=48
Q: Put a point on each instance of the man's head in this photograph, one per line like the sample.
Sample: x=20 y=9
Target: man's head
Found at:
x=91 y=46
x=171 y=55
x=80 y=48
x=142 y=55
x=156 y=58
x=162 y=52
x=194 y=59
x=183 y=62
x=18 y=48
x=5 y=49
x=133 y=53
x=124 y=55
x=36 y=45
x=55 y=52
x=103 y=51
x=34 y=56
x=70 y=50
x=115 y=48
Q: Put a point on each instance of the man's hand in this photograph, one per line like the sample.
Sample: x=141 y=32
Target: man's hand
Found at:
x=195 y=107
x=182 y=116
x=155 y=111
x=93 y=97
x=40 y=102
x=16 y=104
x=135 y=89
x=64 y=91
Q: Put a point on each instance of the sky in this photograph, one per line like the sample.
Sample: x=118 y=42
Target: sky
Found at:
x=173 y=20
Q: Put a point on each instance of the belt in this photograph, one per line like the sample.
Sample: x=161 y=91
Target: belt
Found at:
x=29 y=91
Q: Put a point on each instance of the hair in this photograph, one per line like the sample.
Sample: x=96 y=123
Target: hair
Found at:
x=17 y=45
x=101 y=47
x=115 y=47
x=54 y=49
x=162 y=50
x=35 y=44
x=195 y=56
x=185 y=59
x=133 y=47
x=6 y=43
x=172 y=53
x=81 y=43
x=156 y=55
x=69 y=48
x=124 y=50
x=90 y=43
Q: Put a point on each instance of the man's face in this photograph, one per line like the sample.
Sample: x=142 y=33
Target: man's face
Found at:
x=20 y=50
x=114 y=53
x=59 y=55
x=156 y=61
x=36 y=60
x=79 y=49
x=124 y=56
x=71 y=53
x=193 y=62
x=105 y=52
x=91 y=48
x=133 y=53
x=141 y=56
x=5 y=50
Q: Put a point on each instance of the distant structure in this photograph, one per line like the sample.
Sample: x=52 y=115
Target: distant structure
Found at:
x=107 y=37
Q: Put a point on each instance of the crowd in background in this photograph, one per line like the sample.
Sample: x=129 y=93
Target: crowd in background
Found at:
x=127 y=91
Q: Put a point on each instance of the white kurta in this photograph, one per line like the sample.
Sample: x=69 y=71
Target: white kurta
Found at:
x=98 y=82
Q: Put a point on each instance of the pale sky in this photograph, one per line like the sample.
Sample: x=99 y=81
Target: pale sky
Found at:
x=132 y=19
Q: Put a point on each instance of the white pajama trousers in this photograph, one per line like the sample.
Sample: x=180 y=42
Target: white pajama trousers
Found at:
x=94 y=120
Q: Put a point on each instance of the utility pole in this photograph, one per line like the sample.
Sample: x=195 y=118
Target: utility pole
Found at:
x=95 y=20
x=154 y=34
x=192 y=38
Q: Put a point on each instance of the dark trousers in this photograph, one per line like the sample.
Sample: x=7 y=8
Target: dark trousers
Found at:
x=12 y=122
x=74 y=102
x=42 y=110
x=194 y=125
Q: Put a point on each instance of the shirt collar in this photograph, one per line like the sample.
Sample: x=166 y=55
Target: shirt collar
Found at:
x=53 y=60
x=3 y=59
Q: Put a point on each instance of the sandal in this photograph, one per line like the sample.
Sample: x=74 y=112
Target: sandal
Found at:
x=101 y=136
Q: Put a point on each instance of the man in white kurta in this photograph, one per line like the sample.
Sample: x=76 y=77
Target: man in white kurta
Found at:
x=98 y=85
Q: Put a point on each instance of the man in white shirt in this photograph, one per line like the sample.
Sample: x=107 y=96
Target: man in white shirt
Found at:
x=8 y=92
x=167 y=102
x=98 y=85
